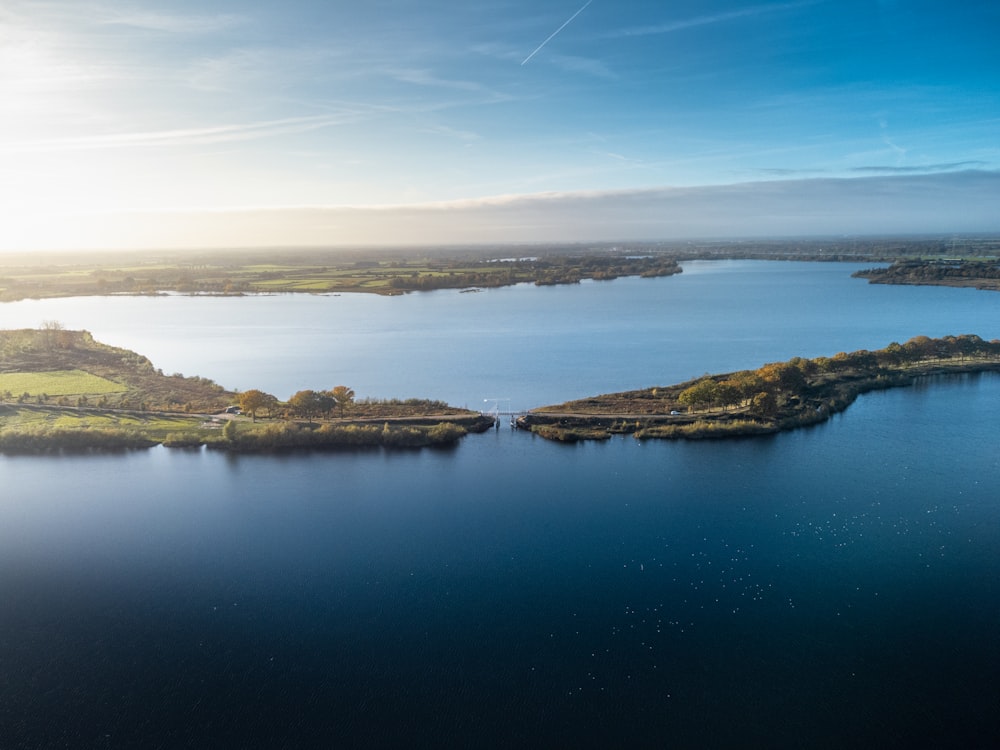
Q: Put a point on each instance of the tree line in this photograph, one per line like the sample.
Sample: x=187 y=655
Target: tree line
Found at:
x=763 y=390
x=305 y=404
x=933 y=271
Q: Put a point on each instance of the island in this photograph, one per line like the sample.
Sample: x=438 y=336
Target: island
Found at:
x=775 y=397
x=63 y=391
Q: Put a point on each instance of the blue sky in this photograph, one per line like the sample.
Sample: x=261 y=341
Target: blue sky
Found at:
x=216 y=123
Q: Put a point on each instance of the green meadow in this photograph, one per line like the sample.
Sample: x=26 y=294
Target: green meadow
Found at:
x=58 y=383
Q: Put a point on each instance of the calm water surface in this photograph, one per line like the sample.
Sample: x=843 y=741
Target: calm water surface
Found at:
x=830 y=587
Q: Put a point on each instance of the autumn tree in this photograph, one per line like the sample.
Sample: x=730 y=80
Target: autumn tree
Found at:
x=325 y=403
x=891 y=356
x=728 y=393
x=782 y=375
x=764 y=404
x=305 y=404
x=343 y=396
x=253 y=401
x=700 y=395
x=919 y=347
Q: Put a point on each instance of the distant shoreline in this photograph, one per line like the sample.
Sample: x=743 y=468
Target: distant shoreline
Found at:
x=395 y=271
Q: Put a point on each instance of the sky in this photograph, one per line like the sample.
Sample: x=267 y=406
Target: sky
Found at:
x=259 y=123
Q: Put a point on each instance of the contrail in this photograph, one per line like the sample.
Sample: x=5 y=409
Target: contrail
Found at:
x=557 y=31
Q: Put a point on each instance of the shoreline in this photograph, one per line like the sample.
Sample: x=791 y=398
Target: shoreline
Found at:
x=264 y=436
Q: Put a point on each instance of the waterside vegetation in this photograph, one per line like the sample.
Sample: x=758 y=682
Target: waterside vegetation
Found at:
x=773 y=398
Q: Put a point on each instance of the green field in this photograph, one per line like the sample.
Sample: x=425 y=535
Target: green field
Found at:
x=58 y=383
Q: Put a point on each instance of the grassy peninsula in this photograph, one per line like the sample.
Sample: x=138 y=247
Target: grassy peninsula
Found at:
x=61 y=390
x=775 y=397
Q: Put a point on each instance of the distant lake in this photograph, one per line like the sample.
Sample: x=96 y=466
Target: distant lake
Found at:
x=832 y=587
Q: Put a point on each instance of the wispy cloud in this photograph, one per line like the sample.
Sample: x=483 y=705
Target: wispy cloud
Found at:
x=586 y=65
x=175 y=23
x=247 y=68
x=184 y=136
x=953 y=166
x=426 y=78
x=784 y=171
x=461 y=135
x=688 y=23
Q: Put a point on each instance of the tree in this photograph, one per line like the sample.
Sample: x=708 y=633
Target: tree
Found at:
x=325 y=403
x=764 y=404
x=919 y=347
x=786 y=377
x=343 y=396
x=892 y=356
x=253 y=401
x=701 y=394
x=304 y=404
x=863 y=360
x=727 y=393
x=52 y=332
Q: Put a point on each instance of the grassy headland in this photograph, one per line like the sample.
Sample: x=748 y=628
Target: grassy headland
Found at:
x=63 y=391
x=775 y=397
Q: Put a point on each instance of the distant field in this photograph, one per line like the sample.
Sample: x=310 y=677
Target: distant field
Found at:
x=58 y=383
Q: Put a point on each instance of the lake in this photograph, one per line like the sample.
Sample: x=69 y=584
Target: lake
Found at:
x=532 y=345
x=831 y=587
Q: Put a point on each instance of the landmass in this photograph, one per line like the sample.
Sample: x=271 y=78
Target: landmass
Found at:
x=978 y=274
x=773 y=398
x=400 y=270
x=63 y=391
x=314 y=272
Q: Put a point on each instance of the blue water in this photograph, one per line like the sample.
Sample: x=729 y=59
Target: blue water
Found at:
x=831 y=587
